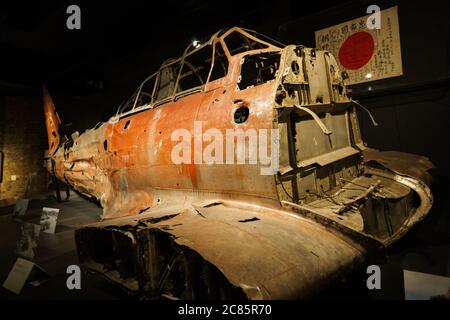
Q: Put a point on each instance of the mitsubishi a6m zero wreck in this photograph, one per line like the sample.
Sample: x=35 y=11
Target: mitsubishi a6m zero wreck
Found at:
x=230 y=228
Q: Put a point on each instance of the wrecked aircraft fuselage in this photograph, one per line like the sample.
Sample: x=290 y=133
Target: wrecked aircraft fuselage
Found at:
x=193 y=229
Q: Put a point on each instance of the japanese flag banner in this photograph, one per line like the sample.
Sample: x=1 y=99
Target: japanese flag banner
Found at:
x=367 y=54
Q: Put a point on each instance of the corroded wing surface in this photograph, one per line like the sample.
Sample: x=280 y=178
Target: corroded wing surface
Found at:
x=267 y=253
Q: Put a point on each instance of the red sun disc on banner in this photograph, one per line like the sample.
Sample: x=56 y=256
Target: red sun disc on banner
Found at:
x=356 y=51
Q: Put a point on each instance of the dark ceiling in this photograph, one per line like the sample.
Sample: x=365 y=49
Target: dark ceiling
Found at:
x=37 y=47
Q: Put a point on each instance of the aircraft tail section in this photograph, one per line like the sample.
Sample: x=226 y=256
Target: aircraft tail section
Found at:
x=52 y=122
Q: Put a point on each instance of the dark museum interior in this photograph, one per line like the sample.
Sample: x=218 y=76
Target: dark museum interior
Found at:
x=91 y=71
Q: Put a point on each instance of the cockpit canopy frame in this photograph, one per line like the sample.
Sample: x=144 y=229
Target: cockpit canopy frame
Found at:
x=200 y=64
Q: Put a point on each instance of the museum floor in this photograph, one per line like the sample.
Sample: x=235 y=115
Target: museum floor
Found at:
x=425 y=249
x=54 y=251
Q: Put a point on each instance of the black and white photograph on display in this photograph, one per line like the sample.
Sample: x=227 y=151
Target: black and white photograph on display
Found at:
x=48 y=219
x=28 y=241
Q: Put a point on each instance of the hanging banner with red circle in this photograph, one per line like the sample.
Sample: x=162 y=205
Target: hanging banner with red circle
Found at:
x=366 y=54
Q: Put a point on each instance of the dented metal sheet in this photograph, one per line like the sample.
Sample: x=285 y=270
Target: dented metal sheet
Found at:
x=269 y=254
x=276 y=256
x=401 y=162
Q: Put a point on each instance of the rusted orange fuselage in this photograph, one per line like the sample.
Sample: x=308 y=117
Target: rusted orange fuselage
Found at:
x=126 y=162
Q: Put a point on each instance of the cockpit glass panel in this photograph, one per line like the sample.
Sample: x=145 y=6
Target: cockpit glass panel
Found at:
x=195 y=69
x=146 y=92
x=166 y=82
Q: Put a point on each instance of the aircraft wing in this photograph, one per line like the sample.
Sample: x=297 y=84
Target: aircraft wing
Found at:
x=268 y=253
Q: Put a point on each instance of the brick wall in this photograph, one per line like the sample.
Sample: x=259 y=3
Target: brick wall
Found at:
x=22 y=141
